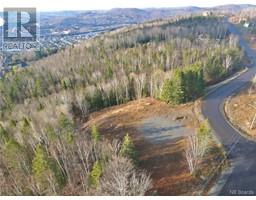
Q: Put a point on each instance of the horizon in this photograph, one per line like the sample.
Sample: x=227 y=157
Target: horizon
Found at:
x=143 y=8
x=101 y=5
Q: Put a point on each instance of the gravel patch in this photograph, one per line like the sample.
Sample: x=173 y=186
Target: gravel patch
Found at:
x=161 y=130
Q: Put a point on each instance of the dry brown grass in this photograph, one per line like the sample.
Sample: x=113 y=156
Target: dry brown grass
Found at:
x=240 y=110
x=166 y=161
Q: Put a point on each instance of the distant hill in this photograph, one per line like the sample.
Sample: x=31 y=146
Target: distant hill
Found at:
x=233 y=7
x=97 y=20
x=82 y=21
x=113 y=16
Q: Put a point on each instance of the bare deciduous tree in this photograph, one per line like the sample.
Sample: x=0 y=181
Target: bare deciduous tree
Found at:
x=196 y=148
x=228 y=62
x=192 y=153
x=121 y=178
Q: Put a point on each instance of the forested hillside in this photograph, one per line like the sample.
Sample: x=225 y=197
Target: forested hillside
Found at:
x=43 y=151
x=115 y=69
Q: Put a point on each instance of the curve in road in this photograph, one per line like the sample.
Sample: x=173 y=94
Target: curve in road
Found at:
x=241 y=152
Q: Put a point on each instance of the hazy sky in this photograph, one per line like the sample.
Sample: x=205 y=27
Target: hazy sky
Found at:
x=45 y=5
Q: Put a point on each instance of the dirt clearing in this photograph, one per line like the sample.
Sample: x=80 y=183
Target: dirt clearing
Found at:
x=161 y=130
x=158 y=131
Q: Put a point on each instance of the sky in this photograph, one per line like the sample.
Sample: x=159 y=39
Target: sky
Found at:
x=56 y=5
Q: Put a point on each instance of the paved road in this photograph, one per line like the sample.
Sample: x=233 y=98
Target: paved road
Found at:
x=242 y=179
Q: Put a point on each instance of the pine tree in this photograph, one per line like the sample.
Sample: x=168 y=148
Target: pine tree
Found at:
x=178 y=90
x=96 y=101
x=128 y=149
x=45 y=168
x=95 y=134
x=204 y=130
x=38 y=90
x=67 y=128
x=65 y=122
x=166 y=91
x=96 y=173
x=60 y=178
x=109 y=73
x=186 y=85
x=173 y=91
x=50 y=133
x=194 y=82
x=16 y=156
x=40 y=165
x=41 y=168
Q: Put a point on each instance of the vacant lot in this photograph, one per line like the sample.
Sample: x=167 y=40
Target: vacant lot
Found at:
x=158 y=131
x=241 y=110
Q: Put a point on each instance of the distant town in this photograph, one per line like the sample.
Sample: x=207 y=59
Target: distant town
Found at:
x=61 y=29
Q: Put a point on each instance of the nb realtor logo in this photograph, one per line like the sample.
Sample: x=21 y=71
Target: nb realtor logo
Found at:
x=20 y=29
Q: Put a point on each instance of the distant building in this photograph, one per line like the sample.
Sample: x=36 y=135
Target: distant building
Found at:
x=243 y=20
x=66 y=32
x=207 y=13
x=246 y=24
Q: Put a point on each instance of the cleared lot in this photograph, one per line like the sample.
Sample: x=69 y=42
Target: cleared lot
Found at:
x=159 y=131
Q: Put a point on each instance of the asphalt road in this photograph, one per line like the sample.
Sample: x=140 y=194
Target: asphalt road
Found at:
x=242 y=152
